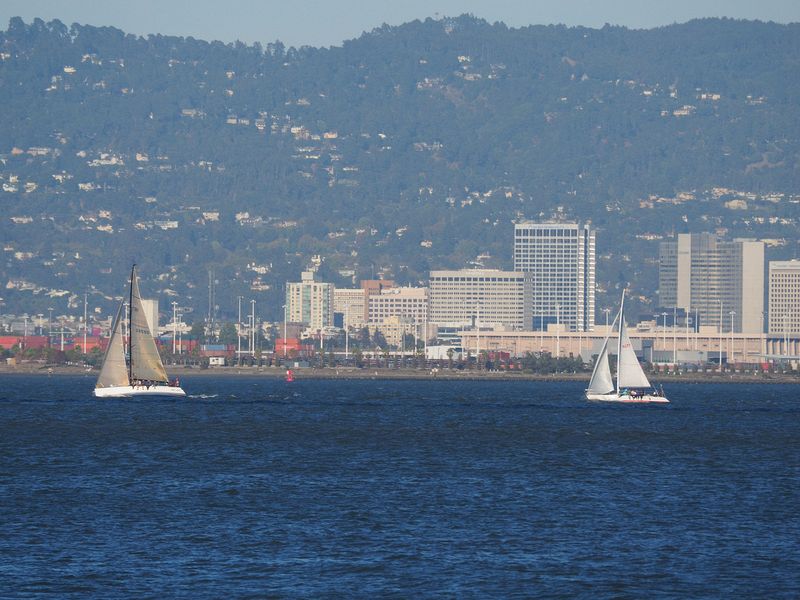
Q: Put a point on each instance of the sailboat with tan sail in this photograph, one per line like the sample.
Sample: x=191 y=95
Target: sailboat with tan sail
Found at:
x=140 y=372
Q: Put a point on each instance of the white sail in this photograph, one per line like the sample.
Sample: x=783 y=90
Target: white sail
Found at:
x=114 y=371
x=629 y=372
x=601 y=382
x=145 y=361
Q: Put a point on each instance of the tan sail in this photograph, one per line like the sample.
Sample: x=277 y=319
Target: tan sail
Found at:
x=145 y=361
x=114 y=371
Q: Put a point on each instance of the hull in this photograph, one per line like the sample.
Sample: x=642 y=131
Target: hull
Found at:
x=136 y=391
x=627 y=399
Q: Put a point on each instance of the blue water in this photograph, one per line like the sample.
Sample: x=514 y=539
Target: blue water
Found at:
x=255 y=487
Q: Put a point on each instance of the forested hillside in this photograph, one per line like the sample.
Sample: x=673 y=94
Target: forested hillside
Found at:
x=408 y=149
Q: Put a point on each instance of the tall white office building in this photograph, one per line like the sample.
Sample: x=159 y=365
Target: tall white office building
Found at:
x=558 y=260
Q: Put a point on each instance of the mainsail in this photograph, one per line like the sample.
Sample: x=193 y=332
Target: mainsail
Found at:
x=114 y=371
x=629 y=372
x=145 y=361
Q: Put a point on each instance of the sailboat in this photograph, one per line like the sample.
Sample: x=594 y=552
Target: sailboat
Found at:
x=141 y=373
x=632 y=384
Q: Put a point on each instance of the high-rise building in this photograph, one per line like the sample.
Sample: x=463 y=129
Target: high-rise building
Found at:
x=559 y=262
x=371 y=287
x=483 y=296
x=720 y=281
x=309 y=302
x=784 y=297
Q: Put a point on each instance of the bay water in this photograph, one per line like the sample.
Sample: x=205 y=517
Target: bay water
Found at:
x=255 y=487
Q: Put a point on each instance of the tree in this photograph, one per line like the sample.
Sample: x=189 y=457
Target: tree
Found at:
x=379 y=339
x=227 y=334
x=198 y=332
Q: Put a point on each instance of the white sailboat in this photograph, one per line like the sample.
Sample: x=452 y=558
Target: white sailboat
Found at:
x=142 y=374
x=632 y=384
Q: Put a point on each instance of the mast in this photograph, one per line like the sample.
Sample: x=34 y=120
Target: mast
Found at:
x=130 y=325
x=619 y=337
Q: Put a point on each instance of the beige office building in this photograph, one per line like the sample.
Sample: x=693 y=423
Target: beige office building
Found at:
x=784 y=297
x=407 y=302
x=352 y=304
x=487 y=297
x=720 y=281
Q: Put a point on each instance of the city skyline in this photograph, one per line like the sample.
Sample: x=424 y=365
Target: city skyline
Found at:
x=417 y=160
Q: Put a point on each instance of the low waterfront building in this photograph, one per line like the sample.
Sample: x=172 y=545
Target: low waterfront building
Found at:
x=667 y=345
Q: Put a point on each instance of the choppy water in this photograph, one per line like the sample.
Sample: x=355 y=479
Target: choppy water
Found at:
x=256 y=488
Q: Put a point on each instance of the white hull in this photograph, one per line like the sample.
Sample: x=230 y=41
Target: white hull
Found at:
x=136 y=391
x=627 y=399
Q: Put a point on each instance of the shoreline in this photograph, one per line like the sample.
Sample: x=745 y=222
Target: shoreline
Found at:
x=404 y=374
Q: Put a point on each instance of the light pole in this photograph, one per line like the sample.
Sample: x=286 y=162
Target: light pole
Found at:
x=688 y=318
x=239 y=332
x=253 y=331
x=416 y=334
x=49 y=326
x=85 y=320
x=180 y=332
x=284 y=332
x=477 y=334
x=25 y=335
x=425 y=335
x=606 y=310
x=541 y=331
x=346 y=335
x=664 y=332
x=674 y=337
x=720 y=335
x=732 y=314
x=174 y=327
x=558 y=330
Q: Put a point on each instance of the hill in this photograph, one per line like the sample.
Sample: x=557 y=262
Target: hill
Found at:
x=408 y=149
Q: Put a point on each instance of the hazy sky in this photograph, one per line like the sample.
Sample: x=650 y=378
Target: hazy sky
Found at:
x=325 y=23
